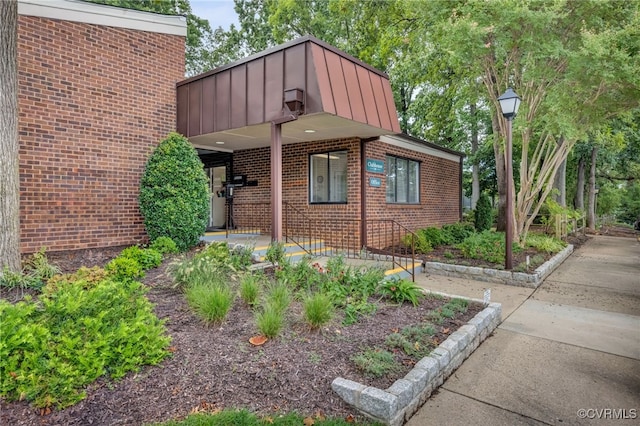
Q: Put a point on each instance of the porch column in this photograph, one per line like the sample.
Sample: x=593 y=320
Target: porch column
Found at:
x=276 y=181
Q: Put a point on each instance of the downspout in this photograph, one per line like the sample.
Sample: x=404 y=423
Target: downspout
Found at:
x=460 y=190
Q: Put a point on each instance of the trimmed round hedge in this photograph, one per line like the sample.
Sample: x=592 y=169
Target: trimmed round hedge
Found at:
x=174 y=193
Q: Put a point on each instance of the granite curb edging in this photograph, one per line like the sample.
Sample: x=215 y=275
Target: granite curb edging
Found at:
x=396 y=404
x=520 y=279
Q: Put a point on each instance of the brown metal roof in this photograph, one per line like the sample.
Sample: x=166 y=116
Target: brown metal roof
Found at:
x=231 y=107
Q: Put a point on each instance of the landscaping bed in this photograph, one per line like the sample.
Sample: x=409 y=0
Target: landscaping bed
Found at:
x=215 y=367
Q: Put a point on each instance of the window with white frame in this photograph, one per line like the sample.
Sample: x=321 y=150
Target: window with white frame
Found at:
x=403 y=180
x=328 y=177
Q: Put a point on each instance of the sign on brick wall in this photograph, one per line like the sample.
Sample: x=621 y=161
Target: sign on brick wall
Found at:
x=375 y=166
x=375 y=182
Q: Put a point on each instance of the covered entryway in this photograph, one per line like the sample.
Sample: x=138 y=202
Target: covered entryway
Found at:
x=300 y=92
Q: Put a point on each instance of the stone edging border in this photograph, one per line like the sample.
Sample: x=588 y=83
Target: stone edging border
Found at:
x=395 y=405
x=519 y=279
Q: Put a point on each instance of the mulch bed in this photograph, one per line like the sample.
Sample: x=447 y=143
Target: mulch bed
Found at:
x=216 y=367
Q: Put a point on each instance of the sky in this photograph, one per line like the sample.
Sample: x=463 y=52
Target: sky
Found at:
x=219 y=13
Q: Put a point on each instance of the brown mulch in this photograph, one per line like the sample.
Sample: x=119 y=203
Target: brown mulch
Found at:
x=216 y=367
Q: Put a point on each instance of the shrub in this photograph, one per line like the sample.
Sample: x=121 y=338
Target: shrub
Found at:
x=270 y=320
x=483 y=213
x=375 y=362
x=318 y=309
x=275 y=253
x=210 y=301
x=209 y=264
x=124 y=269
x=401 y=291
x=279 y=296
x=10 y=279
x=53 y=348
x=436 y=236
x=146 y=258
x=250 y=288
x=420 y=241
x=545 y=243
x=89 y=277
x=164 y=245
x=458 y=232
x=38 y=267
x=487 y=246
x=174 y=193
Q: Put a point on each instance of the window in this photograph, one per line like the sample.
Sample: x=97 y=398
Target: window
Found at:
x=328 y=177
x=403 y=180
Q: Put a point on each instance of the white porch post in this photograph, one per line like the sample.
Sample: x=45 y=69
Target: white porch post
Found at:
x=276 y=181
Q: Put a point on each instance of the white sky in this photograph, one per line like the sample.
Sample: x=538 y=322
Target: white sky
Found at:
x=219 y=13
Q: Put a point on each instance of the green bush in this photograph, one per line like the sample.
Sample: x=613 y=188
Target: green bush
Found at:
x=210 y=301
x=270 y=320
x=420 y=241
x=318 y=310
x=164 y=245
x=483 y=214
x=174 y=193
x=51 y=349
x=458 y=232
x=146 y=258
x=250 y=288
x=545 y=243
x=436 y=236
x=212 y=262
x=124 y=269
x=89 y=277
x=487 y=245
x=401 y=291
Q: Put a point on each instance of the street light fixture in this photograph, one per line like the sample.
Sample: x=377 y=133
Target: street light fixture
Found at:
x=509 y=104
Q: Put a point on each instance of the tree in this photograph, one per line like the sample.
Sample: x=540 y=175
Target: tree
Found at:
x=9 y=159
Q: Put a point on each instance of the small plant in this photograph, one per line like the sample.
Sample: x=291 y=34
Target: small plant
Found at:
x=146 y=258
x=375 y=362
x=275 y=253
x=355 y=309
x=164 y=245
x=436 y=236
x=415 y=341
x=420 y=242
x=318 y=310
x=124 y=269
x=448 y=254
x=269 y=320
x=10 y=279
x=211 y=302
x=401 y=291
x=545 y=243
x=279 y=296
x=487 y=245
x=38 y=266
x=458 y=232
x=250 y=288
x=88 y=276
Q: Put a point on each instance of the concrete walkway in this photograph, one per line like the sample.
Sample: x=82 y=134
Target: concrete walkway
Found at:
x=567 y=353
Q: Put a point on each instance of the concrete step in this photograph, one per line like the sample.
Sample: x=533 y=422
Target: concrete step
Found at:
x=400 y=273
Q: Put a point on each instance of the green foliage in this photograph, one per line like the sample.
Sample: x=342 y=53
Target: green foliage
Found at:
x=36 y=271
x=51 y=349
x=213 y=261
x=124 y=269
x=436 y=236
x=401 y=291
x=375 y=362
x=210 y=301
x=545 y=243
x=318 y=309
x=229 y=417
x=458 y=232
x=279 y=296
x=146 y=258
x=483 y=218
x=415 y=341
x=174 y=193
x=357 y=308
x=10 y=279
x=275 y=253
x=164 y=245
x=449 y=310
x=250 y=284
x=89 y=277
x=269 y=320
x=487 y=246
x=420 y=241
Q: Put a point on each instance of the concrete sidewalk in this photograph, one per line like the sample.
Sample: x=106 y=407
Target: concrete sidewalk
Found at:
x=567 y=353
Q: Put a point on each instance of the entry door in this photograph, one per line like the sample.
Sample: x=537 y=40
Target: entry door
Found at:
x=217 y=177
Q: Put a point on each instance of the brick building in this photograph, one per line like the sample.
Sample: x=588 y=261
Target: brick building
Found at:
x=96 y=95
x=339 y=168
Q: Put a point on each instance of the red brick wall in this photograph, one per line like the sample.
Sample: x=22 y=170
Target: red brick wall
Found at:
x=439 y=190
x=94 y=101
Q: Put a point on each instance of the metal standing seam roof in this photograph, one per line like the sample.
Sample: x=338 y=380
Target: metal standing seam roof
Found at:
x=235 y=101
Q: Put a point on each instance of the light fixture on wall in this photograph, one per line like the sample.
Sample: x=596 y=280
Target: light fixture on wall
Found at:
x=309 y=131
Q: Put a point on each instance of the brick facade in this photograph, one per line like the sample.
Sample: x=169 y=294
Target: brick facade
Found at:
x=94 y=101
x=440 y=190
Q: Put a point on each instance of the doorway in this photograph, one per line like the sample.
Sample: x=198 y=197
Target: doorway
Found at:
x=217 y=179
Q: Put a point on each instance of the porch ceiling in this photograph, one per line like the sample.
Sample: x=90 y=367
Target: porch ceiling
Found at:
x=306 y=129
x=232 y=107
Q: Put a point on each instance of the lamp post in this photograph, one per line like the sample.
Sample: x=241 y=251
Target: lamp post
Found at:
x=509 y=104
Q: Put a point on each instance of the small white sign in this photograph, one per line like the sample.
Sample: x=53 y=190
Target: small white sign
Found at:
x=487 y=296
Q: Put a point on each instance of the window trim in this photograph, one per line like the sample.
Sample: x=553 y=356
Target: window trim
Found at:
x=310 y=177
x=395 y=192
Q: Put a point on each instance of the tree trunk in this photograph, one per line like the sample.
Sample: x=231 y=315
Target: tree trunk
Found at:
x=475 y=173
x=591 y=211
x=9 y=174
x=578 y=200
x=560 y=181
